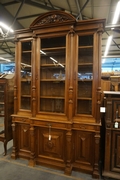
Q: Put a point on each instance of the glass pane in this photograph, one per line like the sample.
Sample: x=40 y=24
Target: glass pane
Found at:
x=84 y=107
x=52 y=74
x=26 y=75
x=86 y=40
x=85 y=75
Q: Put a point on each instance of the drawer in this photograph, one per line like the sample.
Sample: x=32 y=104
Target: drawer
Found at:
x=85 y=127
x=21 y=120
x=56 y=125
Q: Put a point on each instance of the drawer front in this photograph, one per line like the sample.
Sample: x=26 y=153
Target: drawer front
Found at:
x=21 y=120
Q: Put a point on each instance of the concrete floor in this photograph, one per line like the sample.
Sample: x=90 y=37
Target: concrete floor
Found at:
x=19 y=169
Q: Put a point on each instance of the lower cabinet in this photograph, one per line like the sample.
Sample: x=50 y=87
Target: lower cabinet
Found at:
x=59 y=145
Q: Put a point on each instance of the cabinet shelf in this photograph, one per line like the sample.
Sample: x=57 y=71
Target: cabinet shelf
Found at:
x=85 y=64
x=53 y=49
x=25 y=80
x=26 y=51
x=27 y=96
x=84 y=98
x=53 y=80
x=84 y=47
x=85 y=80
x=52 y=97
x=52 y=65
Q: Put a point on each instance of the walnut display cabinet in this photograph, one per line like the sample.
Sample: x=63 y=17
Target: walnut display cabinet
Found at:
x=56 y=120
x=6 y=108
x=112 y=135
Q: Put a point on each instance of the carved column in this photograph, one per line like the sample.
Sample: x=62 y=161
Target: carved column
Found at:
x=17 y=45
x=14 y=149
x=71 y=65
x=33 y=77
x=98 y=117
x=68 y=167
x=96 y=156
x=32 y=146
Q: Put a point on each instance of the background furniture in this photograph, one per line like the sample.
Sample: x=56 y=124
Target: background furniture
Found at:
x=112 y=135
x=57 y=93
x=6 y=108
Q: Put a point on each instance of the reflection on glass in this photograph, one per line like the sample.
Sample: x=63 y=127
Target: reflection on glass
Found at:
x=52 y=74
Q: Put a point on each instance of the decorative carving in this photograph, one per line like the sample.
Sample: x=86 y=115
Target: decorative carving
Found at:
x=50 y=144
x=53 y=19
x=72 y=31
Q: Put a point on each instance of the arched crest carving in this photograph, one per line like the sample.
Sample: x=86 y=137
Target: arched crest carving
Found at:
x=52 y=18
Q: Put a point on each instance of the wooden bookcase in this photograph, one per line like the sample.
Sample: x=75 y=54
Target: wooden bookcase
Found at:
x=6 y=108
x=112 y=135
x=56 y=120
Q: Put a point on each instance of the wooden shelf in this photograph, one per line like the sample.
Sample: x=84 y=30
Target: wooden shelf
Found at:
x=84 y=98
x=85 y=64
x=53 y=80
x=53 y=49
x=52 y=97
x=85 y=47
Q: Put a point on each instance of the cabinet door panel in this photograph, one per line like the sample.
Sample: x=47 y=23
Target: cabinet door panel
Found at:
x=84 y=147
x=24 y=137
x=51 y=147
x=116 y=152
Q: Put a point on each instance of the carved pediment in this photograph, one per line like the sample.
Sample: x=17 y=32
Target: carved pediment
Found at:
x=52 y=18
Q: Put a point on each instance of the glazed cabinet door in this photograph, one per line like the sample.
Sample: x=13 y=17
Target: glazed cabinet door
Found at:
x=52 y=74
x=87 y=70
x=25 y=75
x=85 y=75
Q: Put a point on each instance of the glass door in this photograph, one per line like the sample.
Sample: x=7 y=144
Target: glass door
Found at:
x=52 y=74
x=26 y=50
x=85 y=75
